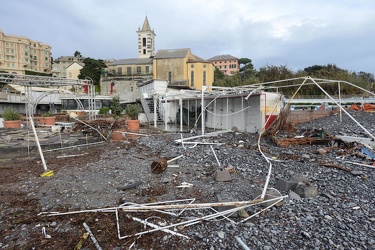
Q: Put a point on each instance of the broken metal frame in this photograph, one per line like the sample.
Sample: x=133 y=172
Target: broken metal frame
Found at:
x=29 y=81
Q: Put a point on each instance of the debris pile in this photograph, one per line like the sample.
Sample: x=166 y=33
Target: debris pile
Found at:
x=209 y=193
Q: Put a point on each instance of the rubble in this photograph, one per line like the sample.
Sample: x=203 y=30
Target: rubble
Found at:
x=334 y=207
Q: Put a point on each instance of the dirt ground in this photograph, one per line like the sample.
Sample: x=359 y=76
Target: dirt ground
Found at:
x=20 y=207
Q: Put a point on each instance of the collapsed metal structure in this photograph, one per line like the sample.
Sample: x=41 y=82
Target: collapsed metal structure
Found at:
x=50 y=83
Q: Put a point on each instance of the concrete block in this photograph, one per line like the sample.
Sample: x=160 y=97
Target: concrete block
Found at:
x=285 y=185
x=222 y=175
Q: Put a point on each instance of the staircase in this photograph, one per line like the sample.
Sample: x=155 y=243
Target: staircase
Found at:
x=149 y=108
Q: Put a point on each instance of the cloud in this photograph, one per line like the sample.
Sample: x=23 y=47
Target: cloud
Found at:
x=293 y=32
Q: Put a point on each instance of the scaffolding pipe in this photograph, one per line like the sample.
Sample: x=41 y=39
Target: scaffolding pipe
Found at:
x=37 y=143
x=351 y=117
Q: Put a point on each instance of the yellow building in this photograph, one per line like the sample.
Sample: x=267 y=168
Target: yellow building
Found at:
x=183 y=69
x=73 y=70
x=18 y=54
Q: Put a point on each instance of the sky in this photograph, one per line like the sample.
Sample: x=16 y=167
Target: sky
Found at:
x=292 y=33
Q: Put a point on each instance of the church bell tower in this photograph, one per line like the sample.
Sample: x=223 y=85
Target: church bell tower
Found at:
x=146 y=40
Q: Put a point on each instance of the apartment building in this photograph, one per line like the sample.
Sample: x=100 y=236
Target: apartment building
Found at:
x=18 y=54
x=227 y=64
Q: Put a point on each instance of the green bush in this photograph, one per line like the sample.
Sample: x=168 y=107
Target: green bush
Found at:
x=133 y=111
x=104 y=111
x=116 y=107
x=10 y=114
x=48 y=114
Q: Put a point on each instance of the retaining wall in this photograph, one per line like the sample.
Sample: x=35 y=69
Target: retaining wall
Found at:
x=301 y=116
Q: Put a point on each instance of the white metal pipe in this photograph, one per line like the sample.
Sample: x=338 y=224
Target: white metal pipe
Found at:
x=213 y=151
x=360 y=164
x=157 y=227
x=178 y=157
x=351 y=117
x=37 y=143
x=202 y=109
x=88 y=125
x=181 y=111
x=76 y=146
x=96 y=243
x=243 y=245
x=155 y=113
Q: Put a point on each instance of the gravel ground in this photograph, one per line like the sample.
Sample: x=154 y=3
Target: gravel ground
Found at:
x=341 y=216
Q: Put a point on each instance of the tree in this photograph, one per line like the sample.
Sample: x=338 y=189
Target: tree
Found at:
x=77 y=54
x=218 y=75
x=92 y=70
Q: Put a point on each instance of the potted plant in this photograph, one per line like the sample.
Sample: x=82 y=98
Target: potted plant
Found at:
x=49 y=118
x=116 y=107
x=12 y=119
x=133 y=111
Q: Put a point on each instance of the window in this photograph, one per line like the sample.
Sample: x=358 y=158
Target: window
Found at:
x=144 y=52
x=129 y=70
x=119 y=71
x=204 y=66
x=13 y=66
x=192 y=66
x=70 y=74
x=144 y=41
x=204 y=78
x=139 y=70
x=192 y=78
x=147 y=69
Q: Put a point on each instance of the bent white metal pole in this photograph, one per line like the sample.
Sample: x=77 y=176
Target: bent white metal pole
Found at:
x=155 y=113
x=351 y=117
x=243 y=245
x=213 y=151
x=180 y=102
x=37 y=143
x=202 y=108
x=340 y=101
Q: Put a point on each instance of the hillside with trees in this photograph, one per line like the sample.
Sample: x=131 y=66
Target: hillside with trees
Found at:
x=249 y=75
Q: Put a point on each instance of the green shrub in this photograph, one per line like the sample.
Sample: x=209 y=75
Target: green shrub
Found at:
x=133 y=111
x=116 y=107
x=48 y=114
x=104 y=111
x=10 y=114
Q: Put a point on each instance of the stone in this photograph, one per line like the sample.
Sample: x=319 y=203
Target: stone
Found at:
x=294 y=196
x=300 y=178
x=306 y=191
x=356 y=173
x=285 y=185
x=222 y=175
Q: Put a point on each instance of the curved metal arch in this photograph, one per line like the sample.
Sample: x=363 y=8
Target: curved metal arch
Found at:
x=80 y=105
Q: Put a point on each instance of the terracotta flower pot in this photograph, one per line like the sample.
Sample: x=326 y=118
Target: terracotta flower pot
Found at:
x=12 y=124
x=49 y=120
x=133 y=125
x=118 y=136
